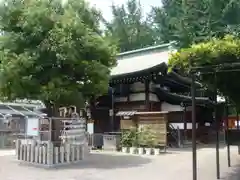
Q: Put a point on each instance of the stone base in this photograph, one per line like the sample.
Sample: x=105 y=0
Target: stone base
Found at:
x=46 y=155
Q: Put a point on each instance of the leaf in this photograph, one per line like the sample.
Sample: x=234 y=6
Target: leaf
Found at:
x=53 y=52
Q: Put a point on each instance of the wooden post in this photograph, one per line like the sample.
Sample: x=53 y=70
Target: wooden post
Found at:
x=237 y=119
x=185 y=123
x=179 y=137
x=194 y=145
x=227 y=134
x=147 y=103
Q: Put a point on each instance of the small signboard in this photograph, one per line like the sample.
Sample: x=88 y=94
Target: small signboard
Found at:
x=90 y=128
x=32 y=126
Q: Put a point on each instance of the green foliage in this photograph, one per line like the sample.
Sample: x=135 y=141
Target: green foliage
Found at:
x=147 y=137
x=129 y=28
x=129 y=138
x=189 y=22
x=183 y=21
x=53 y=51
x=144 y=137
x=213 y=55
x=213 y=52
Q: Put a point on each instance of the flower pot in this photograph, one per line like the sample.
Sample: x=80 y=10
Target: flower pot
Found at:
x=125 y=149
x=133 y=150
x=156 y=151
x=148 y=151
x=141 y=151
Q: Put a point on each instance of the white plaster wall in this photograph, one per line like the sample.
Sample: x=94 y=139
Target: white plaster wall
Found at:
x=153 y=97
x=138 y=86
x=169 y=107
x=138 y=97
x=121 y=99
x=181 y=125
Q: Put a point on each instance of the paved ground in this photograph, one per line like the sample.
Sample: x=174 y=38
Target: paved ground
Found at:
x=116 y=166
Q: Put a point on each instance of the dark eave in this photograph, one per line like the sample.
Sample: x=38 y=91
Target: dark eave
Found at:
x=181 y=79
x=131 y=77
x=174 y=85
x=177 y=99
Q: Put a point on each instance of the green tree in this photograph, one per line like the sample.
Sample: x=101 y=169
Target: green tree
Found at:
x=129 y=27
x=53 y=52
x=191 y=21
x=165 y=19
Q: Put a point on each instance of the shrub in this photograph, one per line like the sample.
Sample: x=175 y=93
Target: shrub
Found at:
x=129 y=137
x=147 y=137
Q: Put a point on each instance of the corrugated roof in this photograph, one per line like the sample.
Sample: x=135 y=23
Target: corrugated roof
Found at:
x=141 y=59
x=16 y=109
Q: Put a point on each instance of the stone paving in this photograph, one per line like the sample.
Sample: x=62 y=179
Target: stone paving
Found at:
x=174 y=165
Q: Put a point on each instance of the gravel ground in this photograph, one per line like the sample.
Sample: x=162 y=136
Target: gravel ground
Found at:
x=174 y=165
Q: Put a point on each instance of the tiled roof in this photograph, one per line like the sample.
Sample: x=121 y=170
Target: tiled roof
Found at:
x=138 y=60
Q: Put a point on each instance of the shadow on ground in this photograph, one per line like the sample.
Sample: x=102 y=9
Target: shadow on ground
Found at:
x=108 y=161
x=234 y=175
x=199 y=147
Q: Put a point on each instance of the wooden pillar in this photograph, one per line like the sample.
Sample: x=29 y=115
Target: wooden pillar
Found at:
x=185 y=122
x=129 y=90
x=147 y=102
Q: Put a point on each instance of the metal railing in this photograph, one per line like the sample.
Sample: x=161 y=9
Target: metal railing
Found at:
x=175 y=134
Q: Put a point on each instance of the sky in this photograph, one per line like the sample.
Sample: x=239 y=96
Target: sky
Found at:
x=104 y=5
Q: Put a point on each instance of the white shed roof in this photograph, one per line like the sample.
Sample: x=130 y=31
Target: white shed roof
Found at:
x=141 y=59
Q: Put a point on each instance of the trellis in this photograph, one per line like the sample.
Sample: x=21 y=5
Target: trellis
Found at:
x=214 y=69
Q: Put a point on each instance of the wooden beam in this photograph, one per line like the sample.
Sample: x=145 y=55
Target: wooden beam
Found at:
x=147 y=102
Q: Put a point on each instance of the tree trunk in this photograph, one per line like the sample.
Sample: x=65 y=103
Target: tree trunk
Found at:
x=56 y=125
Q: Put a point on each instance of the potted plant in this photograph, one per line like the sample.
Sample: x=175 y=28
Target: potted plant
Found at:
x=156 y=148
x=149 y=148
x=150 y=140
x=141 y=141
x=125 y=141
x=134 y=140
x=129 y=140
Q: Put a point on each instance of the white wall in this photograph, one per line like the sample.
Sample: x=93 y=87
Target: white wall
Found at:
x=138 y=86
x=169 y=107
x=138 y=97
x=153 y=97
x=181 y=125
